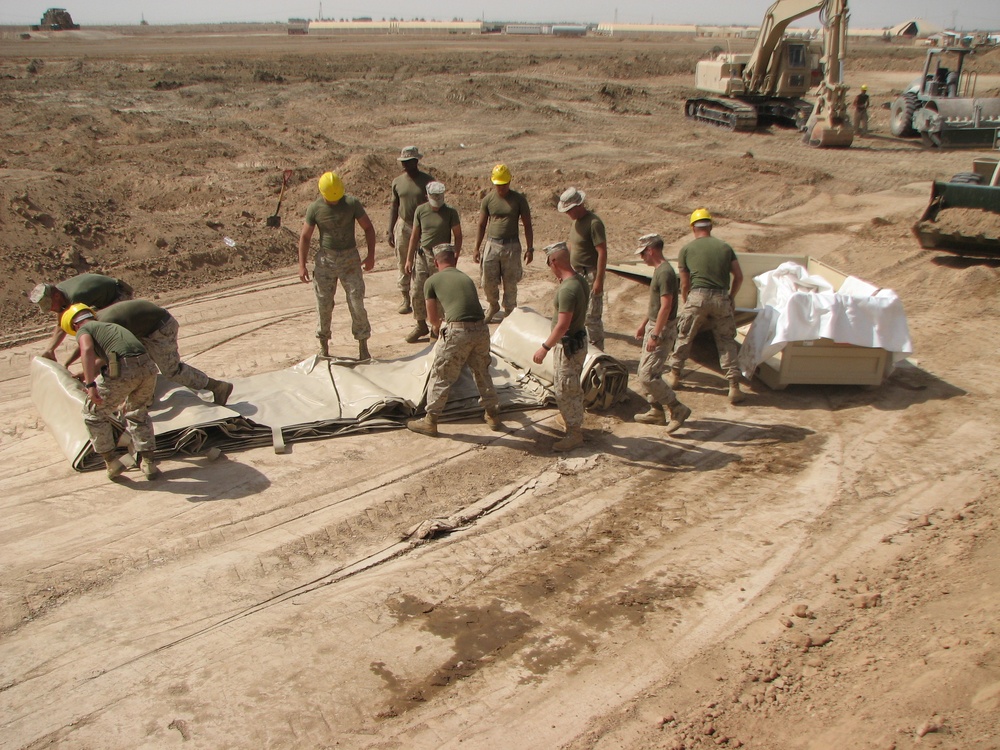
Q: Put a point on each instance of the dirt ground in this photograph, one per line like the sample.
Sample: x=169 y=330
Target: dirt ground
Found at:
x=815 y=568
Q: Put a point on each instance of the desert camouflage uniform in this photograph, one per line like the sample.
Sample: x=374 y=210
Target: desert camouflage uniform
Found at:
x=423 y=269
x=402 y=234
x=595 y=309
x=461 y=343
x=161 y=345
x=652 y=365
x=132 y=394
x=330 y=267
x=501 y=264
x=714 y=307
x=568 y=385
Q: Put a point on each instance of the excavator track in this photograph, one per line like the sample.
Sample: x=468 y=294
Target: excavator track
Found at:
x=726 y=113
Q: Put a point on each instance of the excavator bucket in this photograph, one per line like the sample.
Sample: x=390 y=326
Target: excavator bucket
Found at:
x=963 y=218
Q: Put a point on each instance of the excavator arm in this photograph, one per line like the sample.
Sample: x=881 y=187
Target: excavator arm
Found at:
x=758 y=70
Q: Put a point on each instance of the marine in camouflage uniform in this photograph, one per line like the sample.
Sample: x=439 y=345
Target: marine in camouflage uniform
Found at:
x=658 y=332
x=409 y=190
x=126 y=384
x=337 y=259
x=500 y=258
x=434 y=223
x=464 y=340
x=568 y=343
x=588 y=245
x=157 y=330
x=706 y=266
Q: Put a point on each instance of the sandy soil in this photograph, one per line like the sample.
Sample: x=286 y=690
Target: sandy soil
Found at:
x=816 y=568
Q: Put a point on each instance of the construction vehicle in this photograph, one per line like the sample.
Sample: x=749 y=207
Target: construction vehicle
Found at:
x=940 y=106
x=963 y=216
x=56 y=19
x=767 y=86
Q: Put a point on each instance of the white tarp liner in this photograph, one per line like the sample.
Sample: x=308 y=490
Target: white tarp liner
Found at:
x=319 y=397
x=795 y=306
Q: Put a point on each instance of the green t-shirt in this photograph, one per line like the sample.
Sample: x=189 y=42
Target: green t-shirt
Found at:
x=435 y=226
x=572 y=296
x=457 y=294
x=504 y=214
x=709 y=262
x=664 y=282
x=410 y=192
x=139 y=316
x=336 y=222
x=91 y=289
x=110 y=338
x=585 y=235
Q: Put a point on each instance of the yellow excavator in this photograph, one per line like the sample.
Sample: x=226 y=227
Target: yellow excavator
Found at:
x=767 y=86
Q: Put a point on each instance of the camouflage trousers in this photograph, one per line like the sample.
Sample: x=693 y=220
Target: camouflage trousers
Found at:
x=461 y=344
x=161 y=345
x=501 y=265
x=343 y=266
x=131 y=393
x=595 y=309
x=423 y=269
x=712 y=307
x=569 y=386
x=402 y=236
x=652 y=365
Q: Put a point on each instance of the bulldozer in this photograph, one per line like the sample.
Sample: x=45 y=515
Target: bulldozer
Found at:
x=941 y=106
x=963 y=216
x=56 y=19
x=768 y=86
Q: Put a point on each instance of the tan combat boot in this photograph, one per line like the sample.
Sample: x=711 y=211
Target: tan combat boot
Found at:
x=492 y=418
x=735 y=394
x=418 y=332
x=491 y=313
x=655 y=415
x=147 y=465
x=678 y=416
x=573 y=439
x=221 y=390
x=113 y=465
x=363 y=352
x=404 y=306
x=426 y=426
x=324 y=347
x=674 y=380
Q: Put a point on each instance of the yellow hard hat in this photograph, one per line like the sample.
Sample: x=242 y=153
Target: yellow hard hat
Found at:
x=331 y=187
x=500 y=175
x=864 y=86
x=701 y=214
x=72 y=312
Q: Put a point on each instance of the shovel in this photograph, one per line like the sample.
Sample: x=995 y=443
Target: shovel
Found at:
x=275 y=220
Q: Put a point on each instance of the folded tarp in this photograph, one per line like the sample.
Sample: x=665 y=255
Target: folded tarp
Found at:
x=795 y=306
x=319 y=397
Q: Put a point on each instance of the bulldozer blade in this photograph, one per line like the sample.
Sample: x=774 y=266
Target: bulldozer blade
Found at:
x=945 y=195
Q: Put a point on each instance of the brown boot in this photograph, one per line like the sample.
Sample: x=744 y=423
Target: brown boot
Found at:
x=573 y=439
x=113 y=465
x=221 y=390
x=678 y=416
x=426 y=426
x=363 y=353
x=655 y=415
x=492 y=418
x=735 y=394
x=147 y=465
x=418 y=332
x=324 y=347
x=491 y=312
x=404 y=306
x=674 y=379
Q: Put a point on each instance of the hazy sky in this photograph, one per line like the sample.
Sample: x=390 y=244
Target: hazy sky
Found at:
x=963 y=14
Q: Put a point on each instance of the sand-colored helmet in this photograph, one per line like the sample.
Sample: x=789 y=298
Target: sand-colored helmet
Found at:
x=700 y=214
x=500 y=175
x=73 y=312
x=331 y=187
